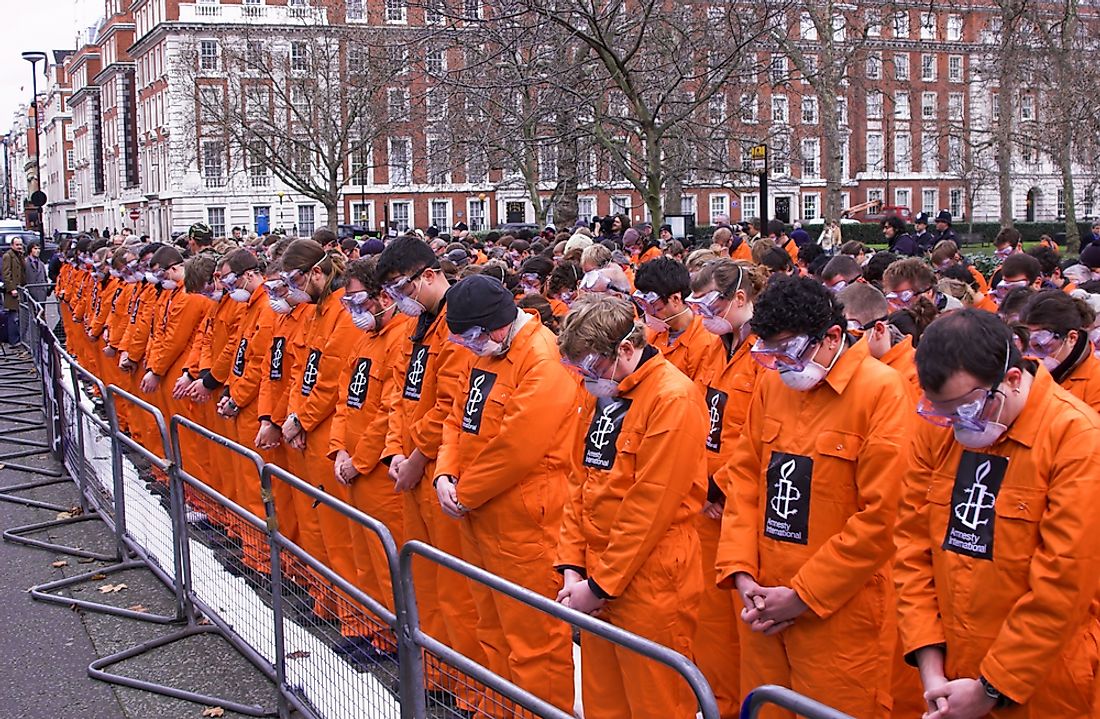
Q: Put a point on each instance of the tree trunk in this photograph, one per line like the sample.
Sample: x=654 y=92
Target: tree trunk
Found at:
x=832 y=158
x=1065 y=166
x=673 y=196
x=333 y=210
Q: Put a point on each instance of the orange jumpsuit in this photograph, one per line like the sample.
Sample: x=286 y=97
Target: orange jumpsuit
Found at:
x=427 y=377
x=743 y=252
x=999 y=555
x=134 y=341
x=791 y=249
x=651 y=254
x=730 y=381
x=638 y=482
x=1084 y=381
x=113 y=335
x=812 y=498
x=903 y=358
x=367 y=393
x=691 y=352
x=507 y=442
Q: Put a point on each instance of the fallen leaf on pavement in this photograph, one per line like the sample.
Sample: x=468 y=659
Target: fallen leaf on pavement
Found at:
x=138 y=608
x=59 y=564
x=85 y=560
x=213 y=712
x=109 y=588
x=97 y=577
x=300 y=654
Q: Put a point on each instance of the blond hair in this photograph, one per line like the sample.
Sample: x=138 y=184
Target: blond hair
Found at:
x=596 y=255
x=599 y=324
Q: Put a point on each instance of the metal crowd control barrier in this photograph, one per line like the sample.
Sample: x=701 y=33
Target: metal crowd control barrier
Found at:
x=786 y=699
x=332 y=649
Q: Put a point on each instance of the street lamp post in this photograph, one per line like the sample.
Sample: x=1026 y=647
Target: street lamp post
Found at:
x=7 y=178
x=39 y=198
x=281 y=195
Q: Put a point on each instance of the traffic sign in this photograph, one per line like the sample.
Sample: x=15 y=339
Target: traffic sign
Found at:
x=135 y=214
x=38 y=198
x=759 y=156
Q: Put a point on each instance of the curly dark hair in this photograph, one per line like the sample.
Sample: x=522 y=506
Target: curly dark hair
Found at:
x=796 y=304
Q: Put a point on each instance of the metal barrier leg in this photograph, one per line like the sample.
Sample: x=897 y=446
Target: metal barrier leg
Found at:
x=41 y=592
x=96 y=670
x=17 y=535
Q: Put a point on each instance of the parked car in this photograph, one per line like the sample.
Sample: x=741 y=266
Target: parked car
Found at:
x=900 y=211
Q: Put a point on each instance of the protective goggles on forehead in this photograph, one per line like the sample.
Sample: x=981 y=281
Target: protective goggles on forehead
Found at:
x=790 y=354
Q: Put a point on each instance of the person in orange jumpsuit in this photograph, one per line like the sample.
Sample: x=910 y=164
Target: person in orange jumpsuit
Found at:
x=174 y=323
x=367 y=392
x=869 y=318
x=998 y=560
x=319 y=350
x=629 y=548
x=134 y=343
x=242 y=280
x=722 y=296
x=1058 y=337
x=502 y=469
x=124 y=269
x=428 y=377
x=1017 y=271
x=910 y=281
x=812 y=496
x=663 y=286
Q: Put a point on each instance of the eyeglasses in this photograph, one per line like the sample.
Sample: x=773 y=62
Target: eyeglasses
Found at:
x=791 y=354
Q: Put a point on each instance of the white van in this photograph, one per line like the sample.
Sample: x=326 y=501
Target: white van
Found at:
x=11 y=225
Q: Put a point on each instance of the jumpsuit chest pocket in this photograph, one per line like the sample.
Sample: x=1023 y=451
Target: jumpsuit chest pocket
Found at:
x=836 y=455
x=1018 y=511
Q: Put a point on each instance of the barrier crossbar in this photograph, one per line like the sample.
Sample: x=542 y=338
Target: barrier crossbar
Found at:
x=785 y=698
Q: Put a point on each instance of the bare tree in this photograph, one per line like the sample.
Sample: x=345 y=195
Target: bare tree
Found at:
x=307 y=109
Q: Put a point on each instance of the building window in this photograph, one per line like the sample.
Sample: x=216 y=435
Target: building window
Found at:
x=750 y=206
x=400 y=215
x=955 y=68
x=1027 y=107
x=928 y=105
x=806 y=28
x=929 y=151
x=398 y=56
x=477 y=164
x=299 y=59
x=719 y=205
x=809 y=207
x=433 y=12
x=586 y=208
x=472 y=10
x=841 y=112
x=874 y=105
x=777 y=71
x=354 y=10
x=749 y=112
x=397 y=11
x=436 y=62
x=438 y=162
x=874 y=195
x=903 y=152
x=306 y=220
x=780 y=109
x=901 y=67
x=215 y=218
x=872 y=23
x=955 y=202
x=809 y=63
x=400 y=161
x=361 y=214
x=397 y=100
x=901 y=105
x=620 y=205
x=716 y=109
x=928 y=26
x=69 y=159
x=928 y=201
x=954 y=28
x=475 y=209
x=811 y=157
x=548 y=162
x=208 y=55
x=212 y=163
x=928 y=67
x=360 y=162
x=955 y=106
x=902 y=197
x=901 y=25
x=954 y=154
x=809 y=111
x=874 y=66
x=874 y=151
x=441 y=215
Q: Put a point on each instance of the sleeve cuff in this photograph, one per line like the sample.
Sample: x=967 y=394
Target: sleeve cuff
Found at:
x=598 y=590
x=209 y=382
x=562 y=567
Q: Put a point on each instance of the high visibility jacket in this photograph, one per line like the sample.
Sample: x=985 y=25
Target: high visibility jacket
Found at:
x=329 y=336
x=428 y=381
x=903 y=358
x=558 y=307
x=174 y=328
x=731 y=380
x=275 y=375
x=512 y=422
x=693 y=352
x=251 y=344
x=998 y=554
x=1084 y=381
x=813 y=483
x=367 y=393
x=139 y=325
x=638 y=473
x=791 y=248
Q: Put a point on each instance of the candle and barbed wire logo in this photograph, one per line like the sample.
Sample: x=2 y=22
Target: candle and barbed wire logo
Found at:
x=787 y=512
x=972 y=511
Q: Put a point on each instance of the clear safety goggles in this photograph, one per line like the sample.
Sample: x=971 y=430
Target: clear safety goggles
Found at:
x=970 y=412
x=276 y=289
x=901 y=300
x=858 y=330
x=586 y=366
x=646 y=302
x=474 y=339
x=402 y=287
x=1044 y=343
x=705 y=305
x=356 y=302
x=1002 y=290
x=791 y=354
